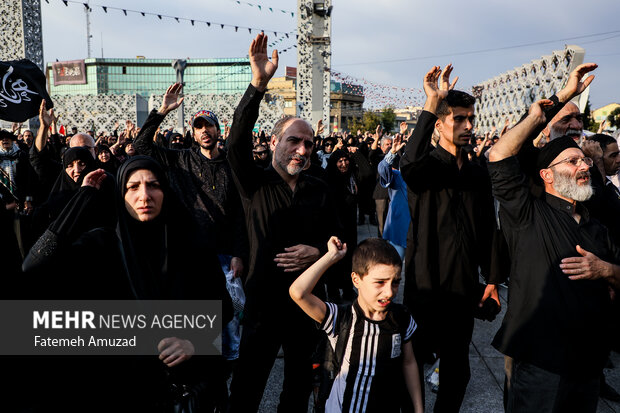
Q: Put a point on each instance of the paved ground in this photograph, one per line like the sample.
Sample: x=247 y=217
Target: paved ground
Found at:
x=484 y=393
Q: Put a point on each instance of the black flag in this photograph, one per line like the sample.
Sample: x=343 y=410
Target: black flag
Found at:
x=22 y=87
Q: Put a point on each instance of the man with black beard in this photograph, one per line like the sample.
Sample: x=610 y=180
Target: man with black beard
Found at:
x=201 y=177
x=563 y=263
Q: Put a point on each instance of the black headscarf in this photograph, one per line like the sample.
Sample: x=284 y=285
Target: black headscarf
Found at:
x=65 y=187
x=165 y=257
x=334 y=175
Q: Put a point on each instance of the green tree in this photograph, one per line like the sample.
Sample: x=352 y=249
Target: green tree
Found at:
x=388 y=117
x=370 y=120
x=614 y=118
x=354 y=125
x=588 y=120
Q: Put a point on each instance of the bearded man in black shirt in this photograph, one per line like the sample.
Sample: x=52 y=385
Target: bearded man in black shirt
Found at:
x=563 y=263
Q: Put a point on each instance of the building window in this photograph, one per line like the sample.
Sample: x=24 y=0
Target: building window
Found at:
x=124 y=70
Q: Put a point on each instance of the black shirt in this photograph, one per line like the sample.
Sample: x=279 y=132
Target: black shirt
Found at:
x=605 y=203
x=204 y=186
x=277 y=216
x=552 y=322
x=452 y=219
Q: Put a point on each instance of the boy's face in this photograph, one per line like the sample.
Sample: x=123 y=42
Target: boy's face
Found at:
x=377 y=289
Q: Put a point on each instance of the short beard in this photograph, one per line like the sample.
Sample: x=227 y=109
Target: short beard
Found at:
x=568 y=187
x=293 y=170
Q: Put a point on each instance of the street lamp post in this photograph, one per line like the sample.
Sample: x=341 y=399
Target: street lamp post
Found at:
x=179 y=65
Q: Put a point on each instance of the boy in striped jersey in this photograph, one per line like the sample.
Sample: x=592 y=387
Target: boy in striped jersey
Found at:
x=378 y=354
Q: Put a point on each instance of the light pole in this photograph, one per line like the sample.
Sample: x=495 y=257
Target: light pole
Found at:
x=179 y=65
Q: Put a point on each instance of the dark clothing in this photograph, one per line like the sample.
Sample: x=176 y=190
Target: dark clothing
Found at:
x=278 y=217
x=452 y=218
x=605 y=203
x=448 y=246
x=204 y=186
x=552 y=322
x=344 y=189
x=446 y=331
x=534 y=390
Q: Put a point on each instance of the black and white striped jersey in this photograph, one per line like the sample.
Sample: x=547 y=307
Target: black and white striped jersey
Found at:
x=370 y=377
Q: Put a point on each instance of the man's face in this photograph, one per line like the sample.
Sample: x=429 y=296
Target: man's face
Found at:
x=28 y=138
x=292 y=151
x=456 y=128
x=568 y=122
x=386 y=145
x=571 y=181
x=83 y=140
x=205 y=134
x=611 y=159
x=7 y=144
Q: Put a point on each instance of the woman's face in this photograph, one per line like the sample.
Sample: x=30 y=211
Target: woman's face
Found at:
x=343 y=165
x=104 y=156
x=143 y=195
x=75 y=169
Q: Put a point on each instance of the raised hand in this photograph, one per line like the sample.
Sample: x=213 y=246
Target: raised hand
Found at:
x=435 y=89
x=575 y=85
x=403 y=127
x=336 y=248
x=171 y=99
x=444 y=81
x=397 y=143
x=262 y=69
x=320 y=128
x=45 y=117
x=339 y=144
x=536 y=112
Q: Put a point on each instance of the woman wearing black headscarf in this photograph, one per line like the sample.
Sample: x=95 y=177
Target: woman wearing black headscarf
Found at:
x=152 y=255
x=167 y=260
x=77 y=162
x=345 y=171
x=106 y=160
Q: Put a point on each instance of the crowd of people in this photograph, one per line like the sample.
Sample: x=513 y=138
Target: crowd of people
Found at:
x=145 y=213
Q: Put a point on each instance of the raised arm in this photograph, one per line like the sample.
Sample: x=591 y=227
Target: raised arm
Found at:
x=419 y=145
x=45 y=120
x=248 y=175
x=301 y=289
x=144 y=141
x=510 y=144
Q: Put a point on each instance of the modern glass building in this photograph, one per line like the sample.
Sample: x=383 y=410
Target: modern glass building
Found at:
x=153 y=76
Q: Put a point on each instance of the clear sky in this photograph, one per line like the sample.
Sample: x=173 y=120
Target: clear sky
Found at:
x=367 y=36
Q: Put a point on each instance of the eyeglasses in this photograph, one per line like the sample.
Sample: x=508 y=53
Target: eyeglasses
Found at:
x=261 y=153
x=329 y=144
x=575 y=161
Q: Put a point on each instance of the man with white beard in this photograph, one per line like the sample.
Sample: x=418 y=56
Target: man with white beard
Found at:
x=567 y=122
x=557 y=323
